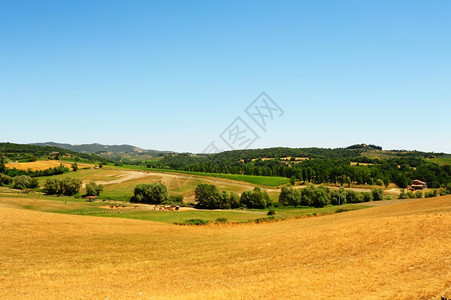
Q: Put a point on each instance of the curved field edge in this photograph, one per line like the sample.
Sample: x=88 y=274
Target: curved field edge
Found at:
x=393 y=251
x=266 y=181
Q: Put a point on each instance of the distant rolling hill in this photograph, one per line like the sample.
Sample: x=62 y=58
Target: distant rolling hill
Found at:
x=96 y=148
x=93 y=148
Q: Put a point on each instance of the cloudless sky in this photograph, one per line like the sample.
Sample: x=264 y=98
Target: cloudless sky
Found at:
x=172 y=75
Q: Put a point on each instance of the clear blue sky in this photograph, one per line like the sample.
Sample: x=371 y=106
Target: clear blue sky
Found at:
x=172 y=75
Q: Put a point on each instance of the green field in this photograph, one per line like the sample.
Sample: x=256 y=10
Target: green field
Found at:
x=79 y=206
x=441 y=160
x=119 y=183
x=267 y=181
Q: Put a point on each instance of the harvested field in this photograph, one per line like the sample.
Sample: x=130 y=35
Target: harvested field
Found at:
x=397 y=251
x=44 y=164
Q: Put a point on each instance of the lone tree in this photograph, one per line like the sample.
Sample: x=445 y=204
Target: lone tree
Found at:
x=93 y=189
x=378 y=194
x=207 y=196
x=153 y=193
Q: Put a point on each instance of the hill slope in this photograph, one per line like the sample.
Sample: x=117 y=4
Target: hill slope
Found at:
x=393 y=251
x=93 y=148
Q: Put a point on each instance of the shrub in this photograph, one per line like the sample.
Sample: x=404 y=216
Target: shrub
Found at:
x=430 y=194
x=320 y=198
x=410 y=194
x=378 y=194
x=196 y=222
x=255 y=199
x=176 y=198
x=70 y=186
x=234 y=200
x=22 y=182
x=277 y=204
x=351 y=197
x=259 y=200
x=224 y=200
x=338 y=197
x=289 y=196
x=367 y=197
x=305 y=200
x=221 y=220
x=52 y=187
x=334 y=197
x=34 y=183
x=93 y=189
x=5 y=179
x=419 y=194
x=448 y=188
x=388 y=197
x=271 y=212
x=379 y=182
x=403 y=195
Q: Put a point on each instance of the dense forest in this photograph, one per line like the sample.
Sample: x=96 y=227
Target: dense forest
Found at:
x=317 y=165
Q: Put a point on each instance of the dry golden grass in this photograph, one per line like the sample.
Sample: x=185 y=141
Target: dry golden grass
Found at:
x=119 y=182
x=44 y=164
x=398 y=251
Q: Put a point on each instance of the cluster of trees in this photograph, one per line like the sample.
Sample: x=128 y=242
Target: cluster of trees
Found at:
x=61 y=169
x=361 y=146
x=24 y=182
x=93 y=189
x=322 y=196
x=210 y=197
x=153 y=193
x=5 y=180
x=67 y=186
x=19 y=182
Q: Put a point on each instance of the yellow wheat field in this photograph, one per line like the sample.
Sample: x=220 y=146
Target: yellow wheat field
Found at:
x=43 y=165
x=397 y=251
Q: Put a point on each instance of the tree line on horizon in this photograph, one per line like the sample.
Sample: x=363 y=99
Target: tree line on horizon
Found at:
x=324 y=166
